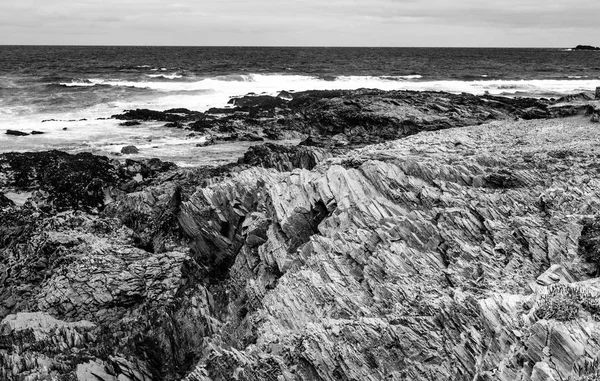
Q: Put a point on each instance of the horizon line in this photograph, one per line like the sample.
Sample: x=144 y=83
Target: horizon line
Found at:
x=295 y=46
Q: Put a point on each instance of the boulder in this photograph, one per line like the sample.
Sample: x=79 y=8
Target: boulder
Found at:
x=285 y=95
x=128 y=150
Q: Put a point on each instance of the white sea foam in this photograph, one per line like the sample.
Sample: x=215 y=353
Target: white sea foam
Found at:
x=78 y=84
x=203 y=93
x=223 y=87
x=166 y=76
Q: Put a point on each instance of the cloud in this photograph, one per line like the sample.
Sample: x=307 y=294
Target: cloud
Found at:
x=293 y=22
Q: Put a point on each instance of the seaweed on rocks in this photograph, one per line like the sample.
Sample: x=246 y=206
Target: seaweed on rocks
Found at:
x=589 y=242
x=70 y=182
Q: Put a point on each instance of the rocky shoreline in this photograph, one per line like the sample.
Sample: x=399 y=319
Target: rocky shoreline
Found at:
x=410 y=236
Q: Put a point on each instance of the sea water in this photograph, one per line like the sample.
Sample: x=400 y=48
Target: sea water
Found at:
x=69 y=92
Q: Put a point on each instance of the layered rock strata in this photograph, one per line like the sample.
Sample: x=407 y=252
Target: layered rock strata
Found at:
x=460 y=254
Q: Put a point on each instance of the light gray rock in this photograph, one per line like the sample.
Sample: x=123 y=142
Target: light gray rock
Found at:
x=463 y=254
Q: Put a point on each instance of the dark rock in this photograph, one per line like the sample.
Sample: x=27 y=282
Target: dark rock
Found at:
x=174 y=125
x=589 y=242
x=574 y=97
x=285 y=95
x=502 y=179
x=37 y=132
x=180 y=111
x=128 y=150
x=533 y=113
x=71 y=182
x=228 y=138
x=149 y=115
x=251 y=137
x=16 y=133
x=284 y=158
x=597 y=92
x=358 y=117
x=262 y=102
x=215 y=110
x=586 y=47
x=130 y=123
x=202 y=125
x=65 y=128
x=5 y=201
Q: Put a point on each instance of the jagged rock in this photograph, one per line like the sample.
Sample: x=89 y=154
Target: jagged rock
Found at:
x=21 y=332
x=128 y=150
x=284 y=158
x=574 y=97
x=397 y=265
x=466 y=254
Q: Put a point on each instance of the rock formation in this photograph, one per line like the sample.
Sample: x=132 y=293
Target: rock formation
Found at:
x=457 y=254
x=586 y=47
x=353 y=118
x=16 y=133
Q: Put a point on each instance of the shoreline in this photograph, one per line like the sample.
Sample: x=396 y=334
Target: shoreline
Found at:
x=407 y=235
x=257 y=117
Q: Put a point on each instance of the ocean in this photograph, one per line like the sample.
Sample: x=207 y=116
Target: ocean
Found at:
x=68 y=91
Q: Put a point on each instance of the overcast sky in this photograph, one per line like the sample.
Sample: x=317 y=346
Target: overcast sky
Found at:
x=518 y=23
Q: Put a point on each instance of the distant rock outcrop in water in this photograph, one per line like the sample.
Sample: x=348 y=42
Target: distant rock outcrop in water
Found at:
x=586 y=47
x=456 y=254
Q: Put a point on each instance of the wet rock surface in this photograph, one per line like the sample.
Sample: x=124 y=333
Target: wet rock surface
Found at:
x=457 y=254
x=61 y=181
x=285 y=158
x=354 y=118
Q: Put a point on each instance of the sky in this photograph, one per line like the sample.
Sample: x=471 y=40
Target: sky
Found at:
x=428 y=23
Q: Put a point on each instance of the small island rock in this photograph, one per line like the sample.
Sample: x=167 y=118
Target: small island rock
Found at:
x=16 y=133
